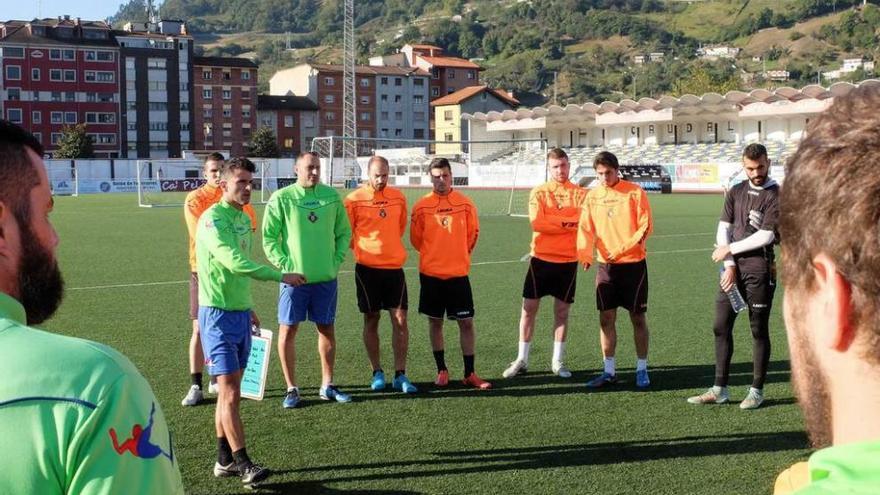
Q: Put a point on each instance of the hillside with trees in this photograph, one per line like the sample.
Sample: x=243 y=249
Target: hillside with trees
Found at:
x=588 y=47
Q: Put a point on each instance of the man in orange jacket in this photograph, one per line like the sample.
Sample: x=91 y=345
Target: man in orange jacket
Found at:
x=616 y=222
x=554 y=210
x=377 y=214
x=444 y=230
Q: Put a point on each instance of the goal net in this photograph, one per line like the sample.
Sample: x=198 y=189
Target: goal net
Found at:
x=496 y=175
x=63 y=179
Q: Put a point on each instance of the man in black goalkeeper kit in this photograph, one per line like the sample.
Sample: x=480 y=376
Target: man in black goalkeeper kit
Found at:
x=745 y=239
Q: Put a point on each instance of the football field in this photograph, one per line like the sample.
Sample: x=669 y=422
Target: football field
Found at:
x=126 y=274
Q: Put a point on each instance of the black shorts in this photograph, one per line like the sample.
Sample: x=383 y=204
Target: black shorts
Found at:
x=546 y=278
x=622 y=284
x=380 y=288
x=193 y=296
x=452 y=297
x=756 y=288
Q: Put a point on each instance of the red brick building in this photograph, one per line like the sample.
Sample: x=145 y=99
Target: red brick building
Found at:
x=225 y=103
x=293 y=119
x=58 y=72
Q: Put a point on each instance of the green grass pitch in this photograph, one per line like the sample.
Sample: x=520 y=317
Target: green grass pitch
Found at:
x=126 y=273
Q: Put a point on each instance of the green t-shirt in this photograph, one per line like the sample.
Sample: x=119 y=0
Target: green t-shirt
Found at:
x=852 y=468
x=306 y=230
x=224 y=241
x=76 y=417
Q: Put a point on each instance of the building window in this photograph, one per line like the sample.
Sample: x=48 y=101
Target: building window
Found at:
x=308 y=120
x=14 y=115
x=13 y=94
x=365 y=100
x=54 y=74
x=471 y=74
x=288 y=143
x=435 y=91
x=227 y=76
x=329 y=99
x=398 y=132
x=54 y=54
x=156 y=63
x=100 y=118
x=419 y=82
x=206 y=74
x=245 y=94
x=208 y=113
x=419 y=116
x=70 y=117
x=39 y=137
x=69 y=96
x=398 y=81
x=227 y=94
x=56 y=137
x=418 y=99
x=450 y=74
x=69 y=54
x=418 y=134
x=329 y=81
x=329 y=116
x=36 y=117
x=13 y=72
x=447 y=115
x=447 y=136
x=56 y=96
x=35 y=74
x=397 y=98
x=158 y=106
x=365 y=83
x=384 y=97
x=227 y=113
x=384 y=115
x=366 y=116
x=398 y=115
x=36 y=96
x=13 y=52
x=246 y=114
x=288 y=121
x=384 y=81
x=450 y=91
x=383 y=133
x=57 y=117
x=98 y=76
x=435 y=73
x=245 y=75
x=207 y=93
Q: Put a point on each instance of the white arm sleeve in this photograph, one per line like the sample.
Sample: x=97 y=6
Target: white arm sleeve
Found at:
x=757 y=240
x=722 y=238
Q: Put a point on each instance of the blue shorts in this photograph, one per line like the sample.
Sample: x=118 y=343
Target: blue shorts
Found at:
x=226 y=339
x=317 y=302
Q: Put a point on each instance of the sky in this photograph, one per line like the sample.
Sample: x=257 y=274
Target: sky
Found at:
x=93 y=10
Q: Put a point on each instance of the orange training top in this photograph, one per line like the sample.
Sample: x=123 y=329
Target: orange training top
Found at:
x=554 y=211
x=196 y=203
x=378 y=221
x=444 y=231
x=617 y=221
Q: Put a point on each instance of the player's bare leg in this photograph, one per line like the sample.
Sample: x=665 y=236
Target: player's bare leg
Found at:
x=641 y=337
x=608 y=340
x=371 y=339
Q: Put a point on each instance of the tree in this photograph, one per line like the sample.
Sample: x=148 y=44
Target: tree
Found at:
x=75 y=143
x=264 y=144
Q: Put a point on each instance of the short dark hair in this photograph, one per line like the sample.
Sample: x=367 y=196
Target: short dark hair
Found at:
x=755 y=152
x=606 y=158
x=439 y=163
x=237 y=163
x=215 y=157
x=830 y=204
x=557 y=153
x=18 y=175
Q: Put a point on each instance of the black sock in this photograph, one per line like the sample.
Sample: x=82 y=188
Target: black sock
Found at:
x=399 y=372
x=440 y=359
x=468 y=365
x=241 y=458
x=224 y=452
x=377 y=371
x=196 y=379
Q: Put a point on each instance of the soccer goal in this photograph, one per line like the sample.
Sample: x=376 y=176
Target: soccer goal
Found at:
x=64 y=179
x=497 y=174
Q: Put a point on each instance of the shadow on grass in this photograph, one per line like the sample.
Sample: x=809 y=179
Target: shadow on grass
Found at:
x=561 y=456
x=663 y=378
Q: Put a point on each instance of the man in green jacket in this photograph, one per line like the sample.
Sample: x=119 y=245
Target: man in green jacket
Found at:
x=306 y=230
x=76 y=417
x=224 y=240
x=829 y=230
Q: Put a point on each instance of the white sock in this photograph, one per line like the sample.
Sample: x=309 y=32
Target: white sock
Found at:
x=609 y=365
x=641 y=364
x=293 y=389
x=558 y=351
x=524 y=352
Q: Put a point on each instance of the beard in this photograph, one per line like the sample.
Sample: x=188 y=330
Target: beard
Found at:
x=40 y=284
x=810 y=384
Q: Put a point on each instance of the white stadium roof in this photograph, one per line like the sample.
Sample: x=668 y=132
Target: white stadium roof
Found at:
x=709 y=103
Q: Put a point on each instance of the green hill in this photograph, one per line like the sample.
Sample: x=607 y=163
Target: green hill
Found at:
x=589 y=45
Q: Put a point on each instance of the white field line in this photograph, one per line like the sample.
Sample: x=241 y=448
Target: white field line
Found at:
x=343 y=272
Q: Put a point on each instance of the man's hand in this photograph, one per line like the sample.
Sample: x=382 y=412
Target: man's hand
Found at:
x=728 y=278
x=293 y=279
x=586 y=266
x=720 y=253
x=255 y=321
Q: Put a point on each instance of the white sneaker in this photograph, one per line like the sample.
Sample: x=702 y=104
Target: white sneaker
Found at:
x=715 y=395
x=213 y=388
x=193 y=397
x=561 y=370
x=753 y=400
x=515 y=368
x=222 y=471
